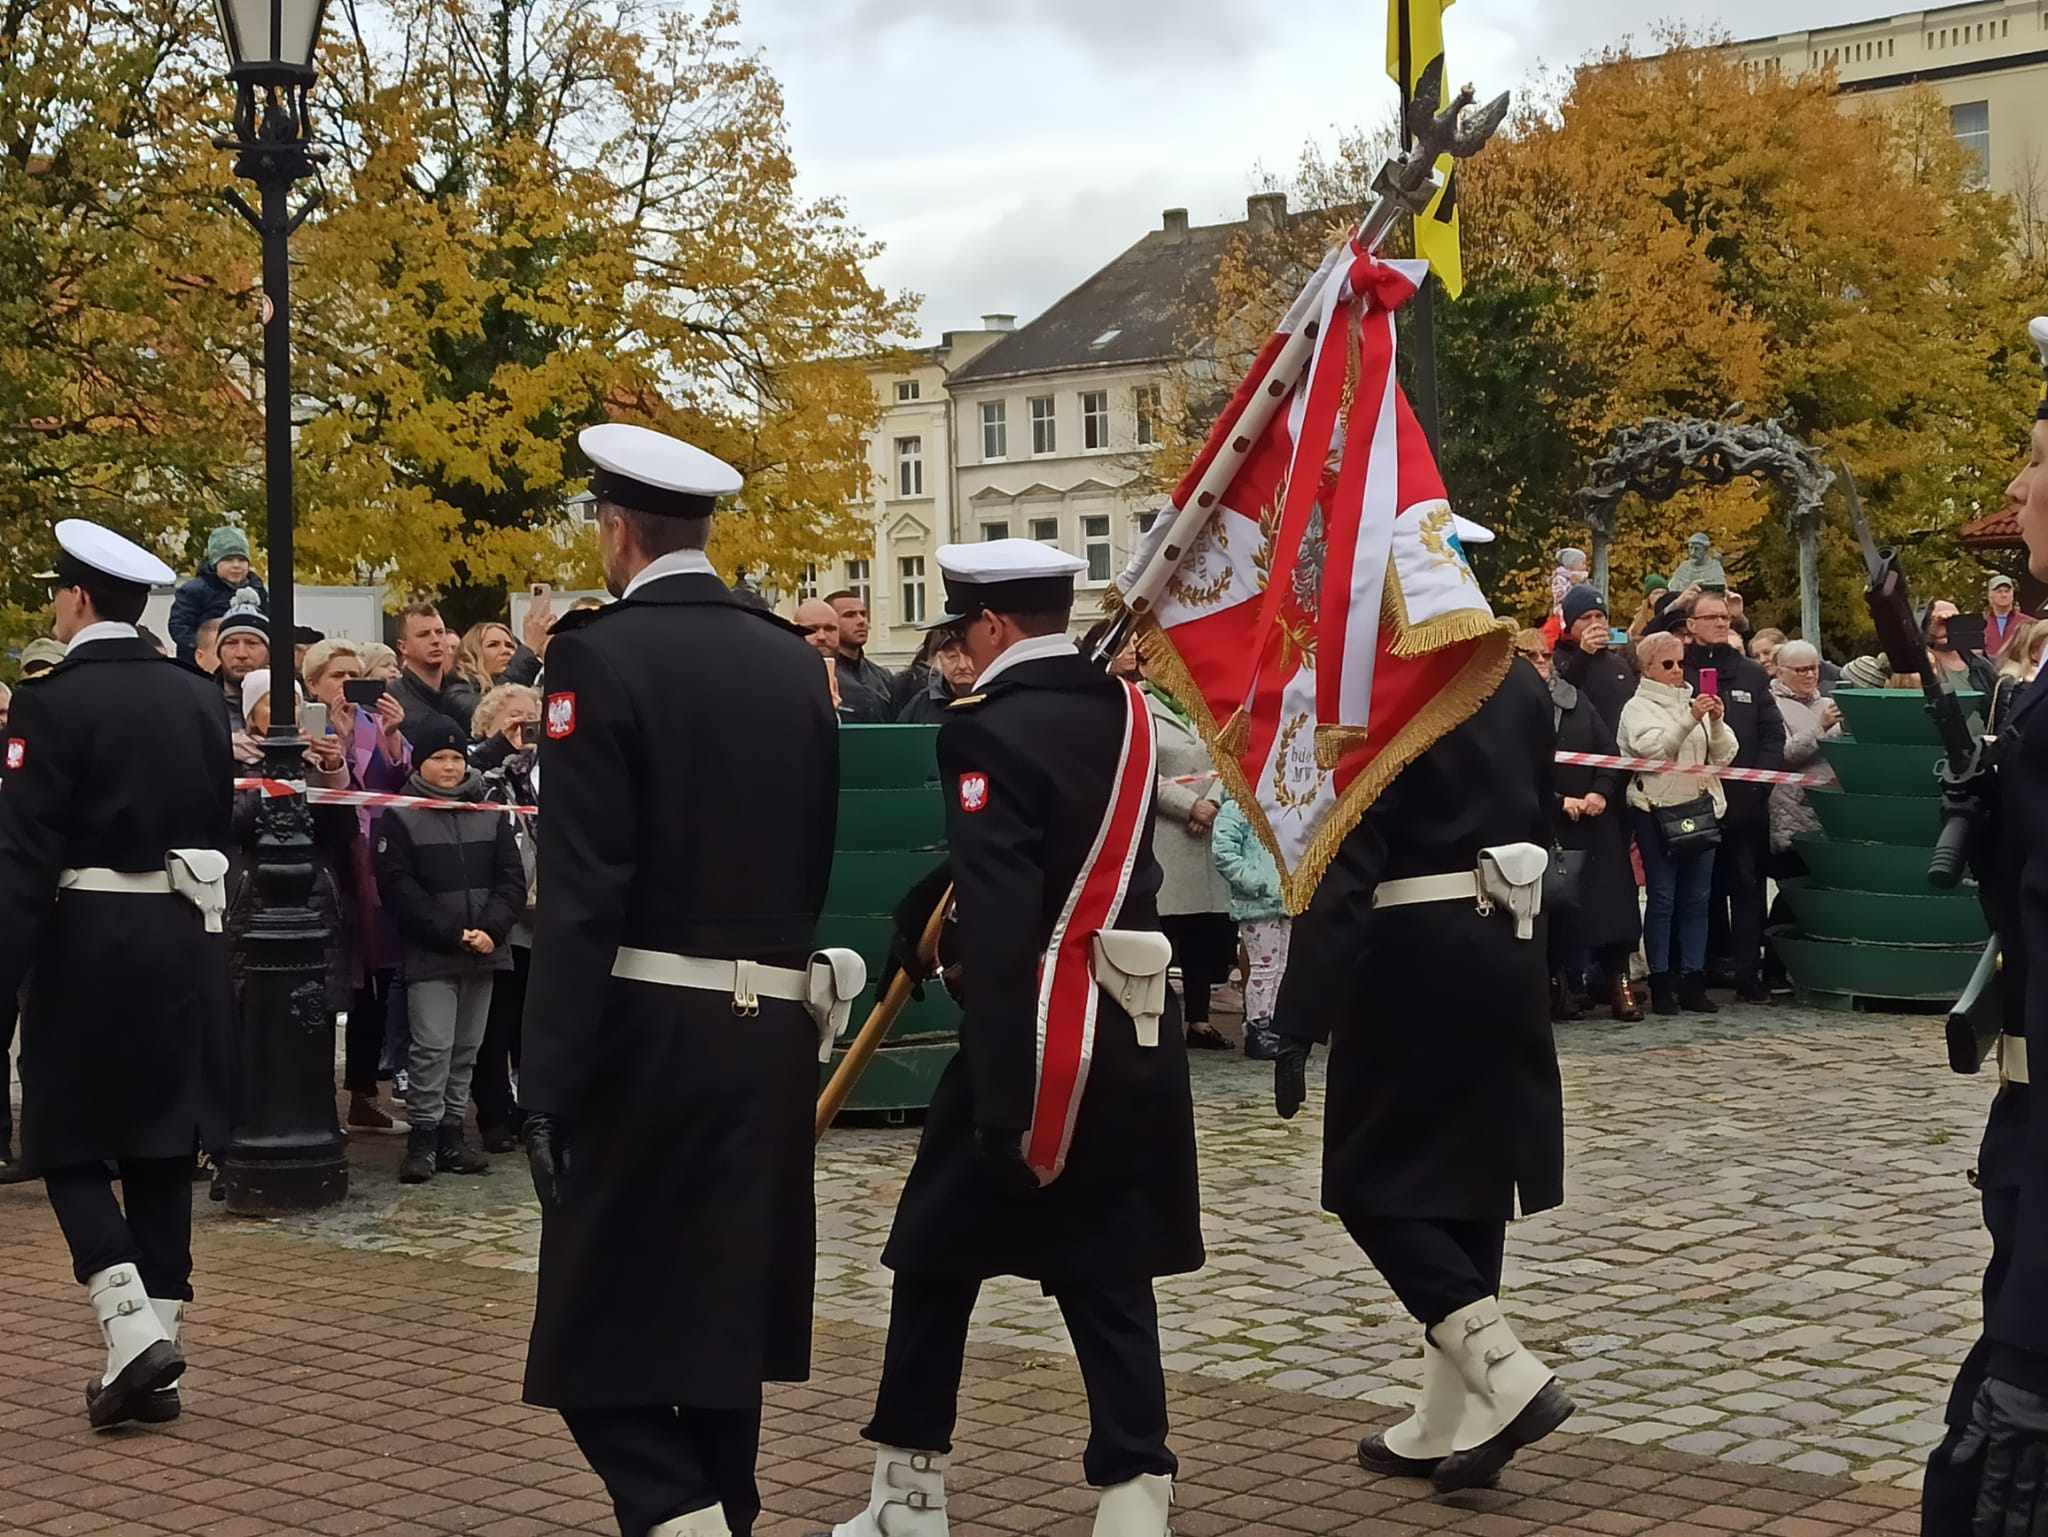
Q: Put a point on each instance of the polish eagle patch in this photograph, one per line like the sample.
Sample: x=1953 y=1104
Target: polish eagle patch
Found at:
x=973 y=792
x=561 y=716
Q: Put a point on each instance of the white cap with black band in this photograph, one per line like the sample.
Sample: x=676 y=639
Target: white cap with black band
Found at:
x=647 y=471
x=1005 y=576
x=87 y=548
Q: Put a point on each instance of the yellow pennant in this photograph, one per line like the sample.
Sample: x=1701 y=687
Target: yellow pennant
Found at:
x=1415 y=38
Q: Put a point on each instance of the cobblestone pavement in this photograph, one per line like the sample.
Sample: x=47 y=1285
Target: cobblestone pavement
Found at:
x=1768 y=1254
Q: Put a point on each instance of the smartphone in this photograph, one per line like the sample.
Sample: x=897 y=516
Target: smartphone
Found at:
x=1617 y=637
x=539 y=589
x=363 y=692
x=1967 y=632
x=1710 y=680
x=313 y=719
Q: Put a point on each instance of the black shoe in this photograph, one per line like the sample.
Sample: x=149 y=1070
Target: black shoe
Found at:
x=1207 y=1038
x=158 y=1408
x=418 y=1167
x=1751 y=989
x=117 y=1402
x=454 y=1154
x=498 y=1139
x=1692 y=994
x=1563 y=1009
x=1261 y=1041
x=12 y=1170
x=1374 y=1457
x=1481 y=1466
x=1664 y=992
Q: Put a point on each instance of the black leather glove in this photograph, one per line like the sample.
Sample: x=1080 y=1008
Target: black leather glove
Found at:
x=547 y=1155
x=2009 y=1425
x=1002 y=1154
x=1290 y=1077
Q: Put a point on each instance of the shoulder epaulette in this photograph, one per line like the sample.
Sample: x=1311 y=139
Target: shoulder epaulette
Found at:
x=967 y=701
x=577 y=618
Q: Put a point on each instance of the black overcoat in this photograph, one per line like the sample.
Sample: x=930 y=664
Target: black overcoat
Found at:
x=115 y=756
x=689 y=773
x=1444 y=1100
x=1608 y=912
x=1046 y=739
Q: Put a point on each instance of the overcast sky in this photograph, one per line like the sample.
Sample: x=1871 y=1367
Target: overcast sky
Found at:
x=1005 y=151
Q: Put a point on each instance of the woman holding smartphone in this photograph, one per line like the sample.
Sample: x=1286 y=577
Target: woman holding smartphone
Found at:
x=363 y=720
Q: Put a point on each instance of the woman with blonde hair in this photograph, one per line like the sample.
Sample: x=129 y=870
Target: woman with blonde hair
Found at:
x=486 y=651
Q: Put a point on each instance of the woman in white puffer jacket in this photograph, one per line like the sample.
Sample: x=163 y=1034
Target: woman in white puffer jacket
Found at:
x=1665 y=720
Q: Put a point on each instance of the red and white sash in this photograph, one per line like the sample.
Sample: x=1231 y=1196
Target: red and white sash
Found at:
x=1067 y=995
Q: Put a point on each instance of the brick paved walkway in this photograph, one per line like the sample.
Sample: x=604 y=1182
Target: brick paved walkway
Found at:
x=338 y=1392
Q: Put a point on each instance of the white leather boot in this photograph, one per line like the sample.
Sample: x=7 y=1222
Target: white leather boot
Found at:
x=1512 y=1398
x=1136 y=1508
x=140 y=1355
x=907 y=1499
x=1413 y=1448
x=164 y=1405
x=708 y=1522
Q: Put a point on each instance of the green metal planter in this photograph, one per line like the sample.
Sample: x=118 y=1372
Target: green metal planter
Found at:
x=1894 y=867
x=1907 y=819
x=1885 y=917
x=1863 y=969
x=873 y=820
x=1882 y=768
x=887 y=757
x=1894 y=715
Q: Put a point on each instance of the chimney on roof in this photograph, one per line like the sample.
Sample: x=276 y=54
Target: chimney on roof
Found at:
x=1266 y=210
x=1175 y=222
x=999 y=322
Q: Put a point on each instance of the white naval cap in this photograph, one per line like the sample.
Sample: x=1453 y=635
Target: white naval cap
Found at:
x=1469 y=532
x=1011 y=576
x=99 y=549
x=650 y=471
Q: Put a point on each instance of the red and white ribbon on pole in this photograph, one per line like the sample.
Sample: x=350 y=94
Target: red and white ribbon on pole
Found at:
x=273 y=789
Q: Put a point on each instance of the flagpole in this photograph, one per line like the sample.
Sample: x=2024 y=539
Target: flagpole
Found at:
x=1422 y=311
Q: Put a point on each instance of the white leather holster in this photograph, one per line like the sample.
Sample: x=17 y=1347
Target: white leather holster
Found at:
x=1511 y=876
x=833 y=980
x=199 y=876
x=1130 y=965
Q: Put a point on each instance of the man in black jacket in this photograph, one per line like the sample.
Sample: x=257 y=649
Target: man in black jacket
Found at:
x=1586 y=659
x=1759 y=730
x=113 y=828
x=427 y=683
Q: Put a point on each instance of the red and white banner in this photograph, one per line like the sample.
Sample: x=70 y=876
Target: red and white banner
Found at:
x=274 y=789
x=1068 y=998
x=1322 y=626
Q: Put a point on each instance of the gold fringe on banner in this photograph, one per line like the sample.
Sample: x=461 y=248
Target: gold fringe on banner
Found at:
x=1332 y=742
x=1446 y=630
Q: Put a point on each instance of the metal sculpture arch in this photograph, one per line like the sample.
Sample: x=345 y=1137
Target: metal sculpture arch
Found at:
x=1655 y=459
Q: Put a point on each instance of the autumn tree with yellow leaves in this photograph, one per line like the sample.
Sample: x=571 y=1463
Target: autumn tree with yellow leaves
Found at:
x=534 y=216
x=1677 y=235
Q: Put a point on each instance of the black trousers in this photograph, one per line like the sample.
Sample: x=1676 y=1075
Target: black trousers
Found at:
x=1434 y=1265
x=659 y=1463
x=490 y=1090
x=1204 y=945
x=1115 y=1330
x=150 y=1227
x=363 y=1041
x=1948 y=1493
x=7 y=1019
x=1735 y=913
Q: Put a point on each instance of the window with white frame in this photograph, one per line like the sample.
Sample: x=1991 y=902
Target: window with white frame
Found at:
x=1044 y=432
x=1146 y=400
x=1971 y=122
x=995 y=429
x=859 y=581
x=999 y=529
x=807 y=584
x=1045 y=530
x=1095 y=418
x=910 y=610
x=910 y=466
x=1095 y=545
x=906 y=389
x=1146 y=519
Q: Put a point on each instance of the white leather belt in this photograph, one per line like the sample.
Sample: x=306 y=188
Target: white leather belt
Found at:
x=133 y=883
x=2012 y=1059
x=745 y=982
x=1461 y=886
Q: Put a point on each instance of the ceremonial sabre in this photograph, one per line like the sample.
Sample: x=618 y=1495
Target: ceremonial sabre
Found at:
x=881 y=1020
x=1404 y=185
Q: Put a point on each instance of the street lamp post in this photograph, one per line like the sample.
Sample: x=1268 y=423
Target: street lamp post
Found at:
x=286 y=1153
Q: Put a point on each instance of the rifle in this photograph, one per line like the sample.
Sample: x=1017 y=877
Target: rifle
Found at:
x=1966 y=773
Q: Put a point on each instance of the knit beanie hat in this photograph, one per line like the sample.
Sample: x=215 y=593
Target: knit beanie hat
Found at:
x=1655 y=583
x=1581 y=601
x=439 y=734
x=225 y=543
x=243 y=614
x=255 y=689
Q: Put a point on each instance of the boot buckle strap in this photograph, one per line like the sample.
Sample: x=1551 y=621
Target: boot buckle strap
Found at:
x=128 y=1307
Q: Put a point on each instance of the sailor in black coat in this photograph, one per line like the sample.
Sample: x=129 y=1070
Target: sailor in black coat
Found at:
x=114 y=821
x=1985 y=1479
x=1445 y=1114
x=690 y=765
x=1060 y=1143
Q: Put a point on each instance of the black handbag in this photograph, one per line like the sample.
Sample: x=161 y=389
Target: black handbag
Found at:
x=1691 y=827
x=1564 y=881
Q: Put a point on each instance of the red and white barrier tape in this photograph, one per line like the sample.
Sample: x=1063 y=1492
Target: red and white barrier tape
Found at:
x=273 y=789
x=1640 y=765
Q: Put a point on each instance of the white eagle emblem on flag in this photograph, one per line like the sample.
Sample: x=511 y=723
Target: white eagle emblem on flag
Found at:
x=561 y=716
